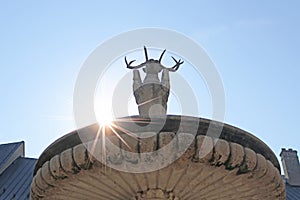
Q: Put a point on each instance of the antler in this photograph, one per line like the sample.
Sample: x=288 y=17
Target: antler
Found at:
x=146 y=54
x=133 y=67
x=140 y=65
x=161 y=55
x=176 y=66
x=172 y=69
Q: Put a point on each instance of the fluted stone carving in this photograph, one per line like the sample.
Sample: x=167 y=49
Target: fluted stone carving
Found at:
x=228 y=171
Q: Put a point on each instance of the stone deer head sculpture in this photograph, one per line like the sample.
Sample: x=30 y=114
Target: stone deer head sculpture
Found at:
x=152 y=94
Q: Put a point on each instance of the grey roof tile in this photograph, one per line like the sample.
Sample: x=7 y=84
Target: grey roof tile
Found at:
x=6 y=151
x=292 y=192
x=16 y=179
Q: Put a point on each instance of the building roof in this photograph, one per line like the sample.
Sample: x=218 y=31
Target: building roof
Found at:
x=16 y=179
x=9 y=152
x=292 y=192
x=15 y=172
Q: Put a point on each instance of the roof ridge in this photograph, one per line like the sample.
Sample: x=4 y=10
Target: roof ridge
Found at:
x=27 y=158
x=12 y=143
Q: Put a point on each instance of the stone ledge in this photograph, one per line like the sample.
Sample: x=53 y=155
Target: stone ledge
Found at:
x=172 y=124
x=226 y=171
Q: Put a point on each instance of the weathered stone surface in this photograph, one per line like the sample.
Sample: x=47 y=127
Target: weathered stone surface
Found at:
x=226 y=170
x=40 y=181
x=171 y=124
x=67 y=162
x=155 y=194
x=152 y=94
x=204 y=149
x=195 y=180
x=55 y=168
x=46 y=174
x=80 y=156
x=236 y=156
x=221 y=153
x=35 y=190
x=129 y=148
x=249 y=162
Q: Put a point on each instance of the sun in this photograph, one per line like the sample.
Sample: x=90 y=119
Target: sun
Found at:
x=104 y=120
x=104 y=117
x=103 y=112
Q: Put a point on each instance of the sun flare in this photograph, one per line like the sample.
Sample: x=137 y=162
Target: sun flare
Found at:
x=104 y=114
x=104 y=118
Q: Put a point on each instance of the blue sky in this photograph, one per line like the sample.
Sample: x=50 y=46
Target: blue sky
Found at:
x=254 y=44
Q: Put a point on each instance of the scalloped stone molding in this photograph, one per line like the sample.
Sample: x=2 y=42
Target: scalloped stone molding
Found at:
x=227 y=171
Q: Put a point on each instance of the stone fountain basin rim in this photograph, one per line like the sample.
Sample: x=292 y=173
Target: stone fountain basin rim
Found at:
x=229 y=133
